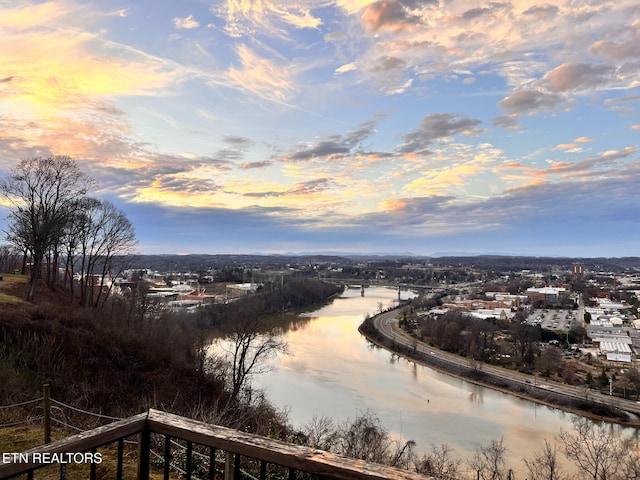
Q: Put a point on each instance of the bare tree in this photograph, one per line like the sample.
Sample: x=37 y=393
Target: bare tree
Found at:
x=593 y=449
x=631 y=379
x=42 y=192
x=70 y=240
x=439 y=463
x=550 y=361
x=9 y=258
x=321 y=433
x=251 y=343
x=489 y=460
x=367 y=440
x=116 y=239
x=544 y=465
x=103 y=232
x=631 y=460
x=525 y=338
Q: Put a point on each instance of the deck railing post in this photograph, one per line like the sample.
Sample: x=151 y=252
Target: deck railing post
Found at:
x=120 y=458
x=212 y=463
x=144 y=445
x=46 y=395
x=228 y=466
x=167 y=457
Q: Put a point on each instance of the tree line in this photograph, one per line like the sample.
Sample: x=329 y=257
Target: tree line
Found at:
x=54 y=223
x=596 y=451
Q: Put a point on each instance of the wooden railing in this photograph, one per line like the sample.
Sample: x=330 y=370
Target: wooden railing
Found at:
x=221 y=453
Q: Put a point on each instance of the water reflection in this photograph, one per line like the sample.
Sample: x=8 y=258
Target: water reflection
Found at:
x=331 y=370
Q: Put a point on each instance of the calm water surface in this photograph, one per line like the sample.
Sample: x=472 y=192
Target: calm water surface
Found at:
x=334 y=371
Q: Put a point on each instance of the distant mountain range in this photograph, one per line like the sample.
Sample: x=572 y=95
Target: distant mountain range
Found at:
x=199 y=262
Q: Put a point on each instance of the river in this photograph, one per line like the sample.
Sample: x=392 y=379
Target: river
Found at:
x=331 y=370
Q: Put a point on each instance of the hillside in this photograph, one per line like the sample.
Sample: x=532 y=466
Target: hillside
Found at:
x=94 y=360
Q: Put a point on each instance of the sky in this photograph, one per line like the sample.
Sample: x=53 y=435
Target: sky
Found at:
x=349 y=126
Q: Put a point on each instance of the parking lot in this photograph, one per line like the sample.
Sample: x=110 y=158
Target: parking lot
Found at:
x=553 y=319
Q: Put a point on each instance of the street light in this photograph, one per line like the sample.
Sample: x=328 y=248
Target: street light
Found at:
x=611 y=385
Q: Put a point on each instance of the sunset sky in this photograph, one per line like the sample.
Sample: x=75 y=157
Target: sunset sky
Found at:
x=277 y=126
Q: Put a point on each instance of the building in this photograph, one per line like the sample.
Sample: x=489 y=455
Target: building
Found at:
x=577 y=272
x=546 y=296
x=616 y=351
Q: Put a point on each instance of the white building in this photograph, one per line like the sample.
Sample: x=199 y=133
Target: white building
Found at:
x=616 y=351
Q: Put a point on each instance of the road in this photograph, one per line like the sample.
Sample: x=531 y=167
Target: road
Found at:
x=385 y=322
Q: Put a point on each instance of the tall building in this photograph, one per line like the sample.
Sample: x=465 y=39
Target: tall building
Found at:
x=577 y=271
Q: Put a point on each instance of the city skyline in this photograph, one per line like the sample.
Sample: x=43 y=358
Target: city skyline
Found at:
x=406 y=126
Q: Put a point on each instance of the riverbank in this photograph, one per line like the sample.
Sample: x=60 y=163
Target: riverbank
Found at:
x=475 y=374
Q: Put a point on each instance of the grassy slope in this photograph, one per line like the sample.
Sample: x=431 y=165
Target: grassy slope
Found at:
x=19 y=438
x=10 y=286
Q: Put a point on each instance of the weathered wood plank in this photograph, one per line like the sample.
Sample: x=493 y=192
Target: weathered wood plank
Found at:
x=273 y=451
x=298 y=457
x=81 y=442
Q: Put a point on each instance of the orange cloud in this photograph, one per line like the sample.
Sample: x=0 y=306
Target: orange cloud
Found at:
x=393 y=205
x=565 y=146
x=558 y=166
x=58 y=69
x=28 y=16
x=437 y=181
x=513 y=166
x=532 y=183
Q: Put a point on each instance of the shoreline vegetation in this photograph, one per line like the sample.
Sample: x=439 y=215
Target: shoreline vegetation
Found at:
x=129 y=356
x=101 y=361
x=585 y=408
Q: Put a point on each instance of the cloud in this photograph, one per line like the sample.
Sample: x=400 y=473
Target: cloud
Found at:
x=627 y=49
x=238 y=141
x=240 y=146
x=54 y=69
x=391 y=15
x=261 y=76
x=510 y=122
x=573 y=146
x=299 y=189
x=185 y=186
x=186 y=23
x=438 y=181
x=578 y=76
x=565 y=146
x=522 y=101
x=349 y=67
x=261 y=164
x=542 y=12
x=385 y=63
x=24 y=17
x=515 y=215
x=122 y=13
x=475 y=13
x=334 y=146
x=630 y=98
x=521 y=42
x=605 y=164
x=435 y=127
x=271 y=18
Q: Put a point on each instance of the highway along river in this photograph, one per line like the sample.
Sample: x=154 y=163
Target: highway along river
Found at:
x=334 y=371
